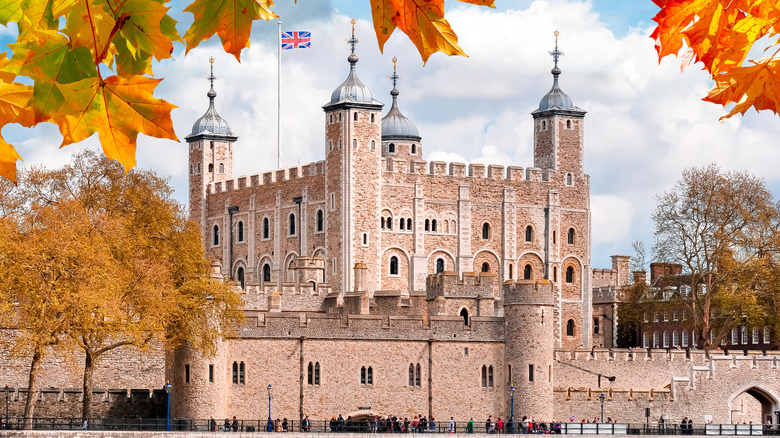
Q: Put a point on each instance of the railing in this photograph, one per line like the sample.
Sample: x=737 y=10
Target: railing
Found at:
x=381 y=426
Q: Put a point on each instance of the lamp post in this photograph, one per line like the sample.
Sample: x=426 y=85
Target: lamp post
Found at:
x=512 y=407
x=168 y=407
x=270 y=421
x=602 y=397
x=6 y=408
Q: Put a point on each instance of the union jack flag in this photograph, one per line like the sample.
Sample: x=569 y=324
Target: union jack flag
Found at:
x=300 y=39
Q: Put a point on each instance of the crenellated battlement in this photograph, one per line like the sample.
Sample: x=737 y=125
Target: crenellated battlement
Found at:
x=463 y=170
x=449 y=284
x=529 y=292
x=752 y=359
x=268 y=178
x=401 y=327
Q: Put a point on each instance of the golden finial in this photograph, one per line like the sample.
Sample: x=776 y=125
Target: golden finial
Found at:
x=394 y=61
x=211 y=60
x=353 y=25
x=556 y=54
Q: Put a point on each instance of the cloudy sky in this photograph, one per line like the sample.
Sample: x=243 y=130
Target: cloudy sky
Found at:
x=645 y=123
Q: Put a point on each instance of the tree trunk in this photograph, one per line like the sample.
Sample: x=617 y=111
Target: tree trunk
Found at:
x=32 y=389
x=89 y=366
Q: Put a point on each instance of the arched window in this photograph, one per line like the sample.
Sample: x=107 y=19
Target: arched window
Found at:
x=554 y=236
x=310 y=379
x=756 y=335
x=235 y=373
x=439 y=265
x=646 y=340
x=240 y=277
x=401 y=224
x=240 y=231
x=411 y=375
x=391 y=148
x=743 y=334
x=362 y=375
x=355 y=116
x=529 y=233
x=486 y=230
x=527 y=272
x=767 y=335
x=365 y=238
x=568 y=124
x=190 y=169
x=221 y=168
x=266 y=229
x=555 y=274
x=317 y=373
x=389 y=223
x=320 y=220
x=373 y=143
x=241 y=373
x=510 y=271
x=569 y=179
x=465 y=315
x=393 y=265
x=427 y=224
x=484 y=376
x=408 y=224
x=684 y=338
x=370 y=376
x=490 y=376
x=570 y=327
x=331 y=118
x=354 y=143
x=339 y=117
x=211 y=167
x=544 y=124
x=372 y=117
x=198 y=167
x=570 y=274
x=417 y=375
x=414 y=148
x=734 y=336
x=433 y=225
x=570 y=236
x=382 y=222
x=292 y=224
x=675 y=338
x=666 y=339
x=216 y=235
x=266 y=272
x=485 y=267
x=656 y=340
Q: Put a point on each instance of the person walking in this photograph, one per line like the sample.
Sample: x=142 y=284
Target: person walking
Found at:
x=488 y=423
x=452 y=425
x=470 y=426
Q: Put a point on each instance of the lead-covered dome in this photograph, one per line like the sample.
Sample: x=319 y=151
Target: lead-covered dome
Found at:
x=396 y=125
x=556 y=99
x=352 y=90
x=211 y=123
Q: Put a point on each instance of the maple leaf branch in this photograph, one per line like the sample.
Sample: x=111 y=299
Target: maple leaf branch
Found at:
x=118 y=24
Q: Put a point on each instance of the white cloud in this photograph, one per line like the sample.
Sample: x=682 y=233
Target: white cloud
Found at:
x=645 y=121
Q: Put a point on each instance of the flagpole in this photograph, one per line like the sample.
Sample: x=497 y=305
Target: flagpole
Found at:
x=279 y=98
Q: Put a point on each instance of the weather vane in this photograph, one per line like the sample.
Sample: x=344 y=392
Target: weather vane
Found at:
x=395 y=76
x=211 y=76
x=353 y=41
x=556 y=54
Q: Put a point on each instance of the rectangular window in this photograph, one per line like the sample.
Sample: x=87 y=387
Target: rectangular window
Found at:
x=509 y=375
x=645 y=317
x=370 y=376
x=595 y=326
x=187 y=373
x=211 y=373
x=530 y=373
x=676 y=315
x=332 y=201
x=363 y=376
x=666 y=316
x=655 y=316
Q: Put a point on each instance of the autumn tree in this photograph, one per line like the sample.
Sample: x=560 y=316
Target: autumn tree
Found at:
x=722 y=228
x=720 y=34
x=146 y=281
x=95 y=75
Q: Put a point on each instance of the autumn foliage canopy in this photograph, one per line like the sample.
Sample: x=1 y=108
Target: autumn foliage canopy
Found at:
x=91 y=60
x=721 y=34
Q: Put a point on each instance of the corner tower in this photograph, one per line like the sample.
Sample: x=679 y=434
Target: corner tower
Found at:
x=211 y=145
x=353 y=136
x=400 y=138
x=558 y=128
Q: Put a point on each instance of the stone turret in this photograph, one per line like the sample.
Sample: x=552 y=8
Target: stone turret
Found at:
x=530 y=344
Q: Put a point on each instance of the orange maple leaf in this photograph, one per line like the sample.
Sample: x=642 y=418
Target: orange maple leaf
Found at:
x=756 y=86
x=230 y=19
x=421 y=20
x=118 y=109
x=13 y=109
